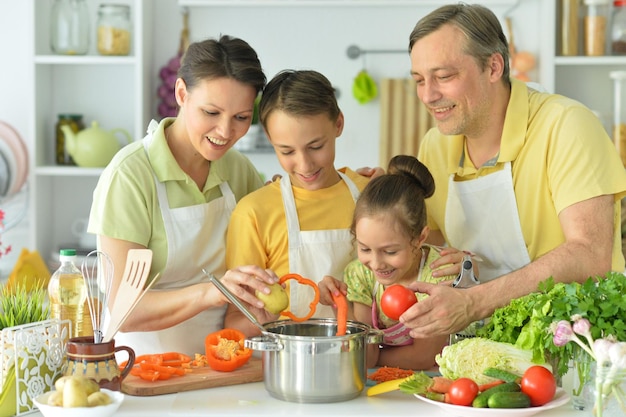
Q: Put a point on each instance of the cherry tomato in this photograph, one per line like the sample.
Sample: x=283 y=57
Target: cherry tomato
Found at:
x=539 y=384
x=396 y=300
x=463 y=391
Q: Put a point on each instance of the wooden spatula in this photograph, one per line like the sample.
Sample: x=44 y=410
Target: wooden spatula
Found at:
x=138 y=262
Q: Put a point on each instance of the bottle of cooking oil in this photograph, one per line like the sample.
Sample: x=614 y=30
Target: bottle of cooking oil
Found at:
x=67 y=293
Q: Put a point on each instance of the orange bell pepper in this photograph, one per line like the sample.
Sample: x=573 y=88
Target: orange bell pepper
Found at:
x=225 y=351
x=313 y=304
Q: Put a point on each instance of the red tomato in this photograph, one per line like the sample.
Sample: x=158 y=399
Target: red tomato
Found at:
x=539 y=384
x=396 y=300
x=463 y=391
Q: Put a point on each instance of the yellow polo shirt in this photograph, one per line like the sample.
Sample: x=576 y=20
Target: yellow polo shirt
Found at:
x=560 y=154
x=125 y=203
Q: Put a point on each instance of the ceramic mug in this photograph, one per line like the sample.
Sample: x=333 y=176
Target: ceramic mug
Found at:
x=79 y=230
x=97 y=361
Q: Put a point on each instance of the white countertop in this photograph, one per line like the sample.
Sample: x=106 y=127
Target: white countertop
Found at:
x=253 y=400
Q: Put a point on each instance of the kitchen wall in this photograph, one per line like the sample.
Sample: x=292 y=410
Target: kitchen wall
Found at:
x=309 y=37
x=285 y=37
x=15 y=91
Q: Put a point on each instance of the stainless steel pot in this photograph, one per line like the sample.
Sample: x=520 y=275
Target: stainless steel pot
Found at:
x=305 y=362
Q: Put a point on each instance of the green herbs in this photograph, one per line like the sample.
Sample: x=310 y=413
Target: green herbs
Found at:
x=18 y=306
x=526 y=321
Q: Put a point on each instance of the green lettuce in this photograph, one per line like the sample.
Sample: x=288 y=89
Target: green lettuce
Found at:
x=525 y=321
x=470 y=358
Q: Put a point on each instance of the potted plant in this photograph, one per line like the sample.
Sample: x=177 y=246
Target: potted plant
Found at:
x=31 y=348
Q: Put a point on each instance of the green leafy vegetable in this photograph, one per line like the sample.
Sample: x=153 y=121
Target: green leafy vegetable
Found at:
x=526 y=321
x=470 y=358
x=416 y=384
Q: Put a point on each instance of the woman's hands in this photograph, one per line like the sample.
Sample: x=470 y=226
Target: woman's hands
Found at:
x=244 y=281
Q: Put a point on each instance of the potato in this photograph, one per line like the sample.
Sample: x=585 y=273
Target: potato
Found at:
x=98 y=398
x=74 y=394
x=89 y=385
x=61 y=382
x=56 y=399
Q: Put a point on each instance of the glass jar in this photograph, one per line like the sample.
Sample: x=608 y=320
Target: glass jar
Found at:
x=619 y=113
x=582 y=377
x=569 y=13
x=75 y=122
x=114 y=29
x=618 y=28
x=606 y=395
x=596 y=17
x=69 y=27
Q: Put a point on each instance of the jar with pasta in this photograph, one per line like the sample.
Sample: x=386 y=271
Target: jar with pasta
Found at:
x=114 y=29
x=595 y=26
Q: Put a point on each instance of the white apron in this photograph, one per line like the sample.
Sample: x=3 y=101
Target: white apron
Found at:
x=196 y=238
x=314 y=254
x=482 y=217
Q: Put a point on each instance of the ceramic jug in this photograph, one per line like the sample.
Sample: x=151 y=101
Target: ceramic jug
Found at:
x=93 y=147
x=97 y=361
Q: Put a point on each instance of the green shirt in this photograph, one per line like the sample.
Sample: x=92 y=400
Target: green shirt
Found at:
x=125 y=203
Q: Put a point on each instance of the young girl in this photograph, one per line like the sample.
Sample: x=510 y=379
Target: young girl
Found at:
x=300 y=224
x=390 y=229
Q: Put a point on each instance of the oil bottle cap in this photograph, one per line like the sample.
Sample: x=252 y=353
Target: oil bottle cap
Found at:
x=68 y=252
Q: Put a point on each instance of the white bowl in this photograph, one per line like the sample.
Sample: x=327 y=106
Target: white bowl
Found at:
x=100 y=411
x=560 y=398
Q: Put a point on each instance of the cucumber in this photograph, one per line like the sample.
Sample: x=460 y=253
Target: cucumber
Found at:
x=508 y=400
x=481 y=401
x=502 y=374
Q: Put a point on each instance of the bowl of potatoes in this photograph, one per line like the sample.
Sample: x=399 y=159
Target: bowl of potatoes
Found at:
x=77 y=396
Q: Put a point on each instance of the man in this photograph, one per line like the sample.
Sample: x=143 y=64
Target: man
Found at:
x=528 y=181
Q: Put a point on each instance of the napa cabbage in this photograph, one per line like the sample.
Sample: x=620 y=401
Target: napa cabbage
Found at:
x=470 y=357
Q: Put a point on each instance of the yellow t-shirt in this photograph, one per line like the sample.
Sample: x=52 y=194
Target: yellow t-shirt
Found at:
x=125 y=203
x=257 y=233
x=560 y=154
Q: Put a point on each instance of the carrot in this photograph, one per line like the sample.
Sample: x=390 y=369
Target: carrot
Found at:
x=446 y=398
x=387 y=373
x=440 y=384
x=486 y=386
x=342 y=313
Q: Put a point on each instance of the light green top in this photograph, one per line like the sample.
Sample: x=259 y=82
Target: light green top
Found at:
x=125 y=203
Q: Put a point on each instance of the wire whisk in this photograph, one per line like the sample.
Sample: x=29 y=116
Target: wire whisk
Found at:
x=97 y=269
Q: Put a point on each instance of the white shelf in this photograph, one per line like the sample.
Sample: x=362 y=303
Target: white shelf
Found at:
x=589 y=60
x=344 y=3
x=112 y=90
x=67 y=171
x=85 y=60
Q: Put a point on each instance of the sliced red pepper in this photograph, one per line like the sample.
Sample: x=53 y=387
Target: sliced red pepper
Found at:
x=224 y=355
x=313 y=304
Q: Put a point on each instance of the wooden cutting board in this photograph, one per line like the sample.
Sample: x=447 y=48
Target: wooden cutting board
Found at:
x=199 y=378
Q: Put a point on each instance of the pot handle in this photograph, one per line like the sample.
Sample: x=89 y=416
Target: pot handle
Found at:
x=374 y=336
x=264 y=343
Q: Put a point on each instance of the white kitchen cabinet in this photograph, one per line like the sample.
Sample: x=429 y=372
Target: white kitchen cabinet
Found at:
x=112 y=90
